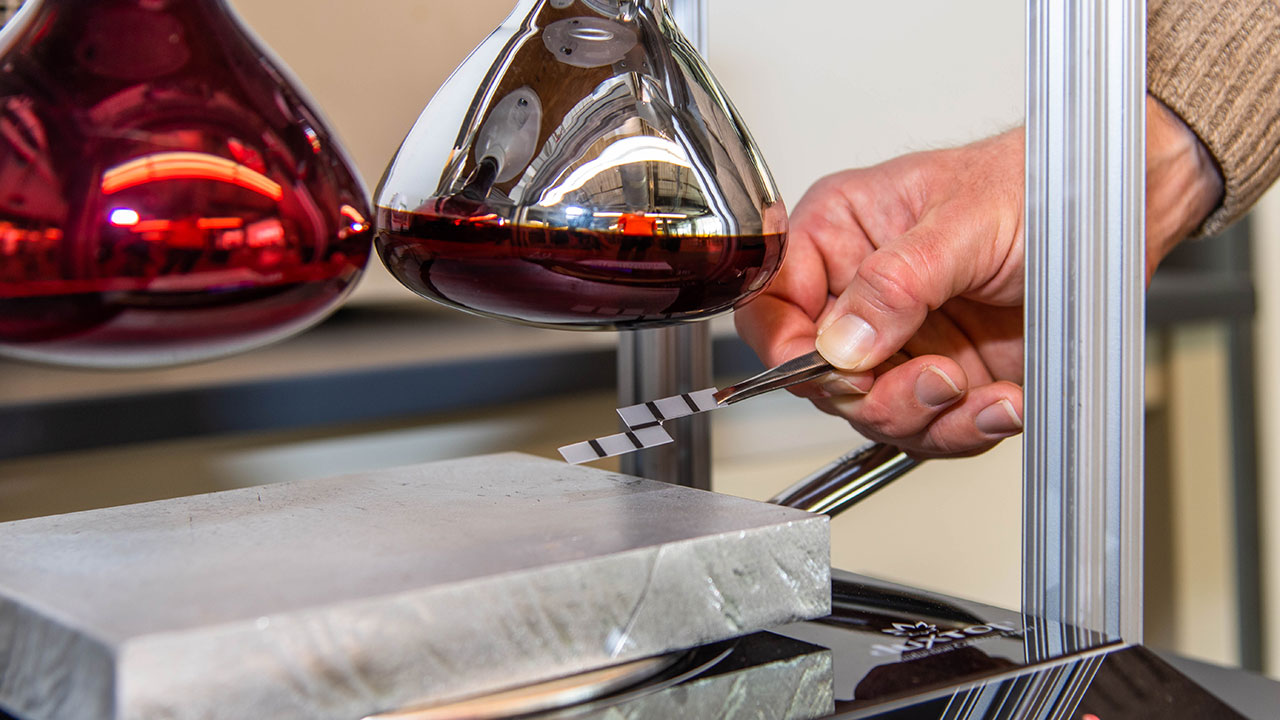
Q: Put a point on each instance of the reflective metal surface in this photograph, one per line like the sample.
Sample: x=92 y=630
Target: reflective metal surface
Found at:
x=848 y=480
x=659 y=363
x=582 y=169
x=792 y=372
x=553 y=694
x=1085 y=264
x=762 y=675
x=674 y=359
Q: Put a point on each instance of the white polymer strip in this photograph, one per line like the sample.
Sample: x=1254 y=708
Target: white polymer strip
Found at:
x=644 y=423
x=669 y=408
x=1082 y=518
x=613 y=445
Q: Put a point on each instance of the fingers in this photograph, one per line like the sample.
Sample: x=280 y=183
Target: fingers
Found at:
x=926 y=407
x=892 y=292
x=987 y=415
x=776 y=329
x=904 y=399
x=826 y=244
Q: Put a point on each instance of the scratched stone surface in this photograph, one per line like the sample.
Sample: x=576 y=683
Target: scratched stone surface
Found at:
x=340 y=597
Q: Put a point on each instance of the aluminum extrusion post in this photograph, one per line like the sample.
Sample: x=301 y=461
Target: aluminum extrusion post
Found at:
x=1085 y=308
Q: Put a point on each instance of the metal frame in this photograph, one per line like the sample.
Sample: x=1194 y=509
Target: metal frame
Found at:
x=661 y=363
x=1083 y=504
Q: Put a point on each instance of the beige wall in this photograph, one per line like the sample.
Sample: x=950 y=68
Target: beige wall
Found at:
x=1200 y=553
x=1266 y=268
x=371 y=67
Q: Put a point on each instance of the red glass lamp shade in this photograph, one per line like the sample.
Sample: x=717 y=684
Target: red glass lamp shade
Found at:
x=166 y=193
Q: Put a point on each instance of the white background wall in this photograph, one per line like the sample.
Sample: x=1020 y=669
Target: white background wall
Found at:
x=830 y=84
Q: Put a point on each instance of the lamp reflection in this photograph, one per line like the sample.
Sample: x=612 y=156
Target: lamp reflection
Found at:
x=641 y=149
x=124 y=217
x=187 y=166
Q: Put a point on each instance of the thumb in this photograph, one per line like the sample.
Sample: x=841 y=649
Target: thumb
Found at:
x=893 y=290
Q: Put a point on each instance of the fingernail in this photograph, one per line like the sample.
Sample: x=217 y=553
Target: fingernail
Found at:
x=999 y=419
x=847 y=342
x=837 y=385
x=934 y=388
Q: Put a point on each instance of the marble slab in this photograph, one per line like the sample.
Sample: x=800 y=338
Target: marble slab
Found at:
x=346 y=596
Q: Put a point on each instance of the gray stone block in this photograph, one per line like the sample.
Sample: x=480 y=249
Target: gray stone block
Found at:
x=341 y=597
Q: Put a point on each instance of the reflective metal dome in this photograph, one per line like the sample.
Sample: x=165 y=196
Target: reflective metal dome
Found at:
x=582 y=169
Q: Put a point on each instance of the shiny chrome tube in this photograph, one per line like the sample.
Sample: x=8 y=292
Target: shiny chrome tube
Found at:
x=848 y=480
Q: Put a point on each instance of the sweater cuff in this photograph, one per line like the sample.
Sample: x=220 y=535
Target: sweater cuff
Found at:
x=1217 y=65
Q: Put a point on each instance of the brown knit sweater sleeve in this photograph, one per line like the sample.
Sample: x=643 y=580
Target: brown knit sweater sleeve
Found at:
x=1216 y=63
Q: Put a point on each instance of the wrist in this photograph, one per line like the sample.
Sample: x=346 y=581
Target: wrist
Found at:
x=1184 y=185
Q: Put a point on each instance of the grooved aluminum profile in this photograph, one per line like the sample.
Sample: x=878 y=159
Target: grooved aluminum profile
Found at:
x=1085 y=272
x=342 y=597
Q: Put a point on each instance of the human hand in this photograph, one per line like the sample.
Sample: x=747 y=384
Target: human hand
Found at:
x=908 y=277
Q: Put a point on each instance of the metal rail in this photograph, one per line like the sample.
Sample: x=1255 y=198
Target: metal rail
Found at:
x=1083 y=505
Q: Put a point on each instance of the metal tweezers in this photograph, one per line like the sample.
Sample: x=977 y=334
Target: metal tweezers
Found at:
x=846 y=481
x=792 y=372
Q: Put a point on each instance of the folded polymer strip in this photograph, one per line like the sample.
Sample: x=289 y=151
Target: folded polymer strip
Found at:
x=613 y=445
x=644 y=423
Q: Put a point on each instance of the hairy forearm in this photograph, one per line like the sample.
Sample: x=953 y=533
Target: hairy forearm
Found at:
x=1184 y=184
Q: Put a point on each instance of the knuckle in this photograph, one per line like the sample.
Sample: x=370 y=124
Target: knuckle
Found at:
x=879 y=417
x=946 y=446
x=824 y=187
x=892 y=281
x=946 y=442
x=825 y=406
